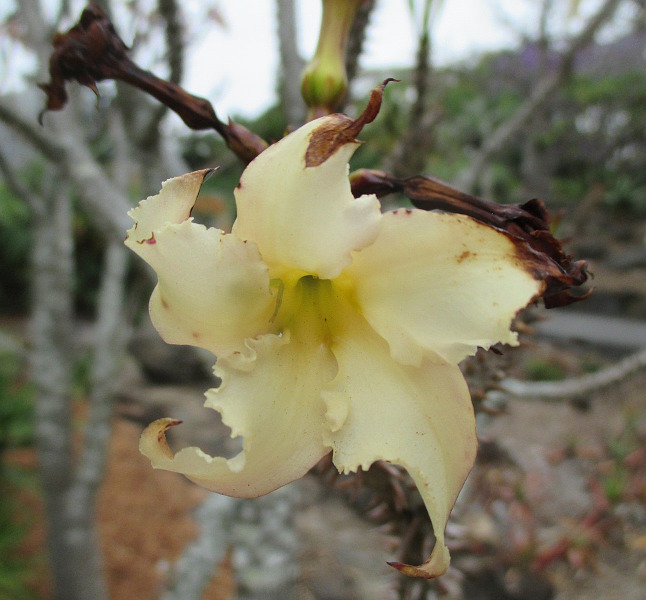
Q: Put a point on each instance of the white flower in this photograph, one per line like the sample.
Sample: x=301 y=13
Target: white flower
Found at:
x=336 y=327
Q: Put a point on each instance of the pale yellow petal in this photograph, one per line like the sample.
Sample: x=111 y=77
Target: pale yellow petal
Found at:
x=173 y=204
x=270 y=395
x=418 y=417
x=440 y=284
x=304 y=219
x=213 y=289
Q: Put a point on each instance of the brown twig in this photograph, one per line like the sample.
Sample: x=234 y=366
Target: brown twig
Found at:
x=92 y=51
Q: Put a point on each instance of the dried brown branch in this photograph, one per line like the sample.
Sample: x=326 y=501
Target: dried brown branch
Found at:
x=92 y=51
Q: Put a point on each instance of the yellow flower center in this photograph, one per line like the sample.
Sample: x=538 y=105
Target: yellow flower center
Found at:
x=307 y=308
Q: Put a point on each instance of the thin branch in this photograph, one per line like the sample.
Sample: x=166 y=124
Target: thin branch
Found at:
x=356 y=39
x=111 y=336
x=64 y=145
x=18 y=189
x=36 y=136
x=174 y=34
x=92 y=51
x=540 y=96
x=577 y=386
x=410 y=155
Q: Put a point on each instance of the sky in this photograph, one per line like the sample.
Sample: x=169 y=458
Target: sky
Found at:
x=234 y=65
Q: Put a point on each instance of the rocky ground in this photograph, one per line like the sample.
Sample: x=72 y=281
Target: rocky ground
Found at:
x=554 y=510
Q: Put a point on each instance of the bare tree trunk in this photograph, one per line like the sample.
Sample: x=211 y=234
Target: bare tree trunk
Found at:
x=291 y=64
x=411 y=153
x=356 y=39
x=261 y=535
x=70 y=490
x=69 y=484
x=71 y=536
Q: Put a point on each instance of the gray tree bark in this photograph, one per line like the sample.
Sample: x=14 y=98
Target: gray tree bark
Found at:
x=291 y=64
x=69 y=483
x=71 y=531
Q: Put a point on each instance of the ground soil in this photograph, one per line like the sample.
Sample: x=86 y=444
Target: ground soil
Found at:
x=558 y=500
x=556 y=451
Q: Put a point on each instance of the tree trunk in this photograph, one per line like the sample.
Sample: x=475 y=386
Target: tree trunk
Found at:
x=73 y=549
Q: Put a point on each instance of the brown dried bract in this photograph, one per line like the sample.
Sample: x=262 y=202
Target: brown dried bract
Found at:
x=89 y=52
x=340 y=129
x=527 y=225
x=92 y=51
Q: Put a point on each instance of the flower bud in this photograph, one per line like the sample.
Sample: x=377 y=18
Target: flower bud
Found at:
x=324 y=82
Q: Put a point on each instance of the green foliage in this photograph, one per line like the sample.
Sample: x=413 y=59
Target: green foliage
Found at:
x=15 y=570
x=16 y=405
x=81 y=376
x=543 y=369
x=590 y=135
x=16 y=429
x=15 y=234
x=614 y=484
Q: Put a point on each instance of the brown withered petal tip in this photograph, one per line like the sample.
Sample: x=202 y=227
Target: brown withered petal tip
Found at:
x=410 y=570
x=526 y=225
x=341 y=129
x=89 y=52
x=92 y=51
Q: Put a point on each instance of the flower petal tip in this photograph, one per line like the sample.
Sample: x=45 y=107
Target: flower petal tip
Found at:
x=152 y=442
x=436 y=565
x=412 y=571
x=172 y=205
x=337 y=130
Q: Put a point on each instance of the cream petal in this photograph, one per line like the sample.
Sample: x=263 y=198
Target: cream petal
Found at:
x=270 y=395
x=441 y=284
x=304 y=219
x=418 y=417
x=213 y=289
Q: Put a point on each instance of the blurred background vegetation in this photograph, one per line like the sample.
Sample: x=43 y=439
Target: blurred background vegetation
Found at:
x=582 y=150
